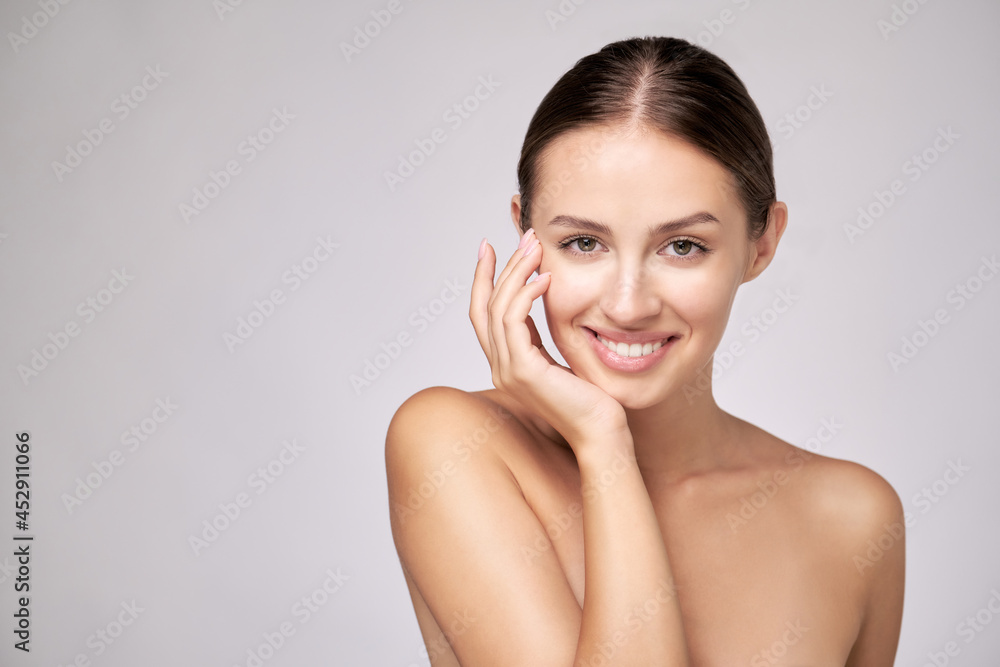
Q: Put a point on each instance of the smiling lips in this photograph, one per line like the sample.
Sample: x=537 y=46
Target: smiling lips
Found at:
x=631 y=352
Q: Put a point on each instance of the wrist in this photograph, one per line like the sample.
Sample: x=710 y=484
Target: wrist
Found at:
x=597 y=451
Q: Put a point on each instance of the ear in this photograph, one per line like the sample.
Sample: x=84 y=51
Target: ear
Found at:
x=764 y=248
x=515 y=213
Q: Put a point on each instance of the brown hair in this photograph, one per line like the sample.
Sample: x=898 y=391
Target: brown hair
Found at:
x=667 y=84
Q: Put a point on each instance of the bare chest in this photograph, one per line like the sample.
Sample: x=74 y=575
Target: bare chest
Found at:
x=761 y=587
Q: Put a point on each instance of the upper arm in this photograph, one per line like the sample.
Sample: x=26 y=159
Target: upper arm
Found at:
x=878 y=551
x=462 y=529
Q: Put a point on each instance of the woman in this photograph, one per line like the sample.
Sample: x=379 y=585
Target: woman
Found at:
x=611 y=513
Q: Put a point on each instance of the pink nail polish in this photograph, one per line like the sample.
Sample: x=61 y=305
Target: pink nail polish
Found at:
x=482 y=248
x=525 y=237
x=532 y=244
x=539 y=276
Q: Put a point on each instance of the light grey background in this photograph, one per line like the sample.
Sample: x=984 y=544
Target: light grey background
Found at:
x=63 y=234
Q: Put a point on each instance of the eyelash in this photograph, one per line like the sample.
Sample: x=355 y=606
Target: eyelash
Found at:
x=702 y=248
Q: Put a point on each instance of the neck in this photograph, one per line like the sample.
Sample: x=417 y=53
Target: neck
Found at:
x=681 y=438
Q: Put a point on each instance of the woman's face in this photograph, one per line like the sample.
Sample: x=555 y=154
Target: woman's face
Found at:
x=646 y=241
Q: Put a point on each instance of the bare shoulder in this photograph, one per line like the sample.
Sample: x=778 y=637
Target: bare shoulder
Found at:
x=460 y=523
x=855 y=497
x=430 y=437
x=442 y=423
x=843 y=507
x=850 y=494
x=853 y=511
x=851 y=522
x=426 y=408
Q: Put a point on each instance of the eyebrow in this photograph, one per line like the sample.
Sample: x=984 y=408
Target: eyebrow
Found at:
x=655 y=230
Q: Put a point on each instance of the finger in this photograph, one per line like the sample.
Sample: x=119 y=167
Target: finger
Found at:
x=520 y=340
x=515 y=275
x=515 y=256
x=482 y=290
x=479 y=312
x=503 y=294
x=483 y=294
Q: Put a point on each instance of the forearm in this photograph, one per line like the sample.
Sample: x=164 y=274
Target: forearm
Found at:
x=630 y=611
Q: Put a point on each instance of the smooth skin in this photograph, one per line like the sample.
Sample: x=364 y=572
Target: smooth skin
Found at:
x=590 y=516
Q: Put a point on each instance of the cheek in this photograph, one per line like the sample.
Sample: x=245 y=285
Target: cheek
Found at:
x=570 y=294
x=703 y=300
x=563 y=299
x=573 y=288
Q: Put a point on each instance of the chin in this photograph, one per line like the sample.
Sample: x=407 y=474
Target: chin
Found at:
x=642 y=397
x=633 y=393
x=638 y=403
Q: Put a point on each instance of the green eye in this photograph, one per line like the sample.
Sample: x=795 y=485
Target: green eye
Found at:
x=580 y=245
x=688 y=249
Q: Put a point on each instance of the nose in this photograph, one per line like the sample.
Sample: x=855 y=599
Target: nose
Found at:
x=630 y=297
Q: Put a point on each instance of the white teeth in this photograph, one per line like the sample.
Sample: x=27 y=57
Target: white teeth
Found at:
x=633 y=350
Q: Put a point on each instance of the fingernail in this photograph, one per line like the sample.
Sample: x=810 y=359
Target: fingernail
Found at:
x=539 y=276
x=525 y=236
x=532 y=244
x=482 y=248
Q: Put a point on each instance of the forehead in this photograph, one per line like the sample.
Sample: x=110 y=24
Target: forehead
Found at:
x=642 y=175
